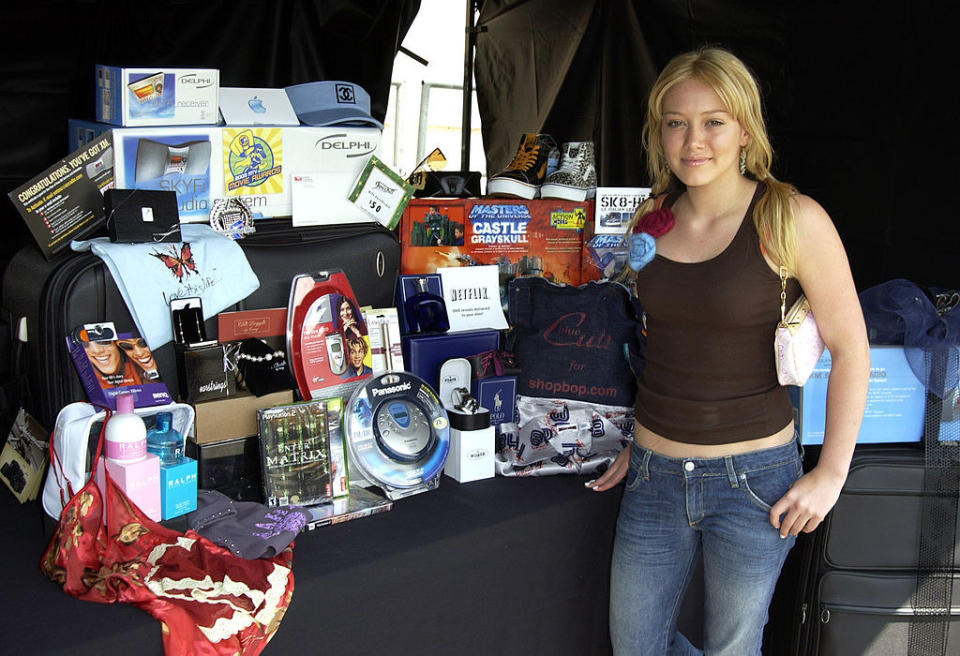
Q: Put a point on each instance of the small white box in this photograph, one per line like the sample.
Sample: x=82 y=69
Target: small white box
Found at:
x=141 y=97
x=471 y=451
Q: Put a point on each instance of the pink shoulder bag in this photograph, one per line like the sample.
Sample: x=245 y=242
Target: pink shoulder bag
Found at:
x=797 y=343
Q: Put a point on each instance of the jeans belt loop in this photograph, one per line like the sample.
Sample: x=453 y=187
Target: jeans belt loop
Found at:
x=645 y=465
x=731 y=472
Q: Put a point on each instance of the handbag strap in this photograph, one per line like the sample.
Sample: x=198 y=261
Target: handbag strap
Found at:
x=783 y=297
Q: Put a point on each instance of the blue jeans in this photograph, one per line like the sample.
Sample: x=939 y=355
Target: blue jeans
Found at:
x=672 y=511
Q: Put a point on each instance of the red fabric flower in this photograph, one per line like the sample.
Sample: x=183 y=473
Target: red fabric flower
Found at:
x=656 y=223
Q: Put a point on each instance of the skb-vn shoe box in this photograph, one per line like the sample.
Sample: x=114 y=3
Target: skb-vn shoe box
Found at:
x=541 y=237
x=151 y=96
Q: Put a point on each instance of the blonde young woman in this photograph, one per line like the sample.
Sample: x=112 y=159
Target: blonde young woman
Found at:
x=715 y=469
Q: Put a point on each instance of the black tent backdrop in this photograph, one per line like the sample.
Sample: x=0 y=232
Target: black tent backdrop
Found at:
x=855 y=97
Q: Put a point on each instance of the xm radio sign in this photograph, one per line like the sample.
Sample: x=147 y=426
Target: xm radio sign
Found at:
x=499 y=224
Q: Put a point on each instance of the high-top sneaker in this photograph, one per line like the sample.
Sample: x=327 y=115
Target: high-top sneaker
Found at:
x=576 y=179
x=525 y=173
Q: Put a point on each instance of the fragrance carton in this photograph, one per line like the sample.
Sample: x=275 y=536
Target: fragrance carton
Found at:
x=178 y=488
x=139 y=480
x=152 y=96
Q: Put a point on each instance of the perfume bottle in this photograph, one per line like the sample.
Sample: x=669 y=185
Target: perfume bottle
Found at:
x=426 y=312
x=165 y=441
x=125 y=433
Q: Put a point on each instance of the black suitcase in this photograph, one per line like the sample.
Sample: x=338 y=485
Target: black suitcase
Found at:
x=43 y=301
x=860 y=573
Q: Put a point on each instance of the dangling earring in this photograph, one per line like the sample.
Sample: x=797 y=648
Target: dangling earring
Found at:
x=743 y=161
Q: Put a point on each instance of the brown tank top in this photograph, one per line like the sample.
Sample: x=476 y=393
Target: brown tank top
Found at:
x=710 y=375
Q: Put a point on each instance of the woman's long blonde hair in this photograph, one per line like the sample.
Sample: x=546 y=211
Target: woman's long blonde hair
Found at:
x=730 y=79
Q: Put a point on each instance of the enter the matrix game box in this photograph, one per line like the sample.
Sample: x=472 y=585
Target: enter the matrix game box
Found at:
x=522 y=237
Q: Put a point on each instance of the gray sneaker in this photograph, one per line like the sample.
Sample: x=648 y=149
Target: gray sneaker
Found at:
x=576 y=179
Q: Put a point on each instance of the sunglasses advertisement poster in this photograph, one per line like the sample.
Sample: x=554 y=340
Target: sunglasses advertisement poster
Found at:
x=111 y=363
x=520 y=237
x=327 y=338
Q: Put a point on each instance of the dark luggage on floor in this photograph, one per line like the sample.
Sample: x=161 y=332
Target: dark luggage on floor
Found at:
x=860 y=578
x=55 y=297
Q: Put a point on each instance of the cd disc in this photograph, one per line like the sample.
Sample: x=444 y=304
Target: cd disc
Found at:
x=398 y=432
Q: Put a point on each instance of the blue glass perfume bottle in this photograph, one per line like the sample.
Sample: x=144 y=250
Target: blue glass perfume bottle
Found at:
x=426 y=312
x=165 y=441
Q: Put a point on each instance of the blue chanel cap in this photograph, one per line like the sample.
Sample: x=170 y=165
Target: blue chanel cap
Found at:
x=332 y=102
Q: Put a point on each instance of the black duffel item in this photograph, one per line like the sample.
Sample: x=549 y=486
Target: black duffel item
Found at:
x=141 y=215
x=446 y=184
x=55 y=297
x=861 y=571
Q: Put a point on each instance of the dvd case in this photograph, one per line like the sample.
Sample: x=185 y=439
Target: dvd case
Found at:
x=295 y=454
x=360 y=503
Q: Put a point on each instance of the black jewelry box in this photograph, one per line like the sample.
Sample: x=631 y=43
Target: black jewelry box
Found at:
x=203 y=373
x=231 y=467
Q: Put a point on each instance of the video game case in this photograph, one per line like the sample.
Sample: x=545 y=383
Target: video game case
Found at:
x=360 y=503
x=295 y=454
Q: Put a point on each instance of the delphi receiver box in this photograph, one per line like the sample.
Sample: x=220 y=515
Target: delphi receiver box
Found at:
x=155 y=96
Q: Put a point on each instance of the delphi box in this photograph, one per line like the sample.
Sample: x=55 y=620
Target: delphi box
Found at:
x=896 y=400
x=540 y=237
x=153 y=96
x=304 y=172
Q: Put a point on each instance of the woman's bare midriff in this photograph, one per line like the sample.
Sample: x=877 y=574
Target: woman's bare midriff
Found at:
x=673 y=449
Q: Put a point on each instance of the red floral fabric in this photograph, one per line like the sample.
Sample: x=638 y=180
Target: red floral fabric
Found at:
x=209 y=601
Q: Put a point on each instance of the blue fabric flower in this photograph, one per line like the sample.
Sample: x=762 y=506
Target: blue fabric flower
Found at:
x=642 y=249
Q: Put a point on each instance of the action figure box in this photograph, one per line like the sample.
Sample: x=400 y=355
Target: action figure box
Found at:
x=540 y=237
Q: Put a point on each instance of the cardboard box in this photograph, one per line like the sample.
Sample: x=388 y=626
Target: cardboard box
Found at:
x=521 y=237
x=151 y=96
x=229 y=418
x=253 y=164
x=471 y=456
x=896 y=400
x=178 y=488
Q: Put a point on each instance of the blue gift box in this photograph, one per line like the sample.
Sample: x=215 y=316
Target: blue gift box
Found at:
x=423 y=354
x=178 y=488
x=896 y=401
x=498 y=394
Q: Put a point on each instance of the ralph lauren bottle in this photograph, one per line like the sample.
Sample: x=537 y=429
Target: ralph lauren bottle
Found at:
x=426 y=312
x=165 y=441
